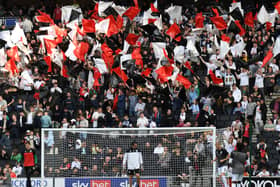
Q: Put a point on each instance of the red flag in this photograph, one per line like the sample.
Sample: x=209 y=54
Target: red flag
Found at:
x=96 y=76
x=277 y=7
x=132 y=12
x=118 y=51
x=249 y=19
x=153 y=8
x=107 y=55
x=94 y=13
x=121 y=74
x=44 y=18
x=215 y=12
x=146 y=72
x=188 y=65
x=119 y=22
x=80 y=32
x=242 y=30
x=36 y=96
x=268 y=26
x=225 y=38
x=136 y=3
x=115 y=102
x=136 y=55
x=183 y=80
x=268 y=56
x=171 y=61
x=11 y=66
x=64 y=71
x=113 y=26
x=59 y=31
x=88 y=25
x=49 y=63
x=151 y=20
x=81 y=50
x=50 y=44
x=215 y=79
x=164 y=72
x=219 y=22
x=132 y=38
x=13 y=53
x=199 y=19
x=173 y=31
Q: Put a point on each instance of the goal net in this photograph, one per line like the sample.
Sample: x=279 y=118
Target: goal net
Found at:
x=183 y=156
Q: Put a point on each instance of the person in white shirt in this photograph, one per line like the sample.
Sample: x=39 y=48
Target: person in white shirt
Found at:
x=258 y=118
x=76 y=163
x=96 y=115
x=133 y=162
x=236 y=93
x=275 y=67
x=230 y=144
x=139 y=107
x=244 y=80
x=27 y=25
x=263 y=173
x=230 y=64
x=159 y=149
x=142 y=121
x=229 y=79
x=17 y=169
x=259 y=81
x=210 y=65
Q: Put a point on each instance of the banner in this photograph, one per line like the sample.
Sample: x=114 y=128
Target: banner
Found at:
x=35 y=182
x=261 y=182
x=114 y=182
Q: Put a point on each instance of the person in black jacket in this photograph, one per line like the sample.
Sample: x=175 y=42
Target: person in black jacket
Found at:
x=197 y=164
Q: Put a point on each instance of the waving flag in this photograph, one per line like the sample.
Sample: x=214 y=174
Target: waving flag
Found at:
x=215 y=79
x=266 y=59
x=183 y=80
x=199 y=19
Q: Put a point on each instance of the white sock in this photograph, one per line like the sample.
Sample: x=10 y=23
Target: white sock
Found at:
x=224 y=180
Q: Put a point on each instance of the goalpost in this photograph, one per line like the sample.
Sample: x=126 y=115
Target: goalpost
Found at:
x=183 y=156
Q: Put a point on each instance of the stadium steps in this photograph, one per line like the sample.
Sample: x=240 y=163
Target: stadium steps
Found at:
x=269 y=114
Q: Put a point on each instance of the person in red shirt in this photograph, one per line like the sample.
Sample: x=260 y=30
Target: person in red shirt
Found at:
x=29 y=162
x=246 y=132
x=57 y=14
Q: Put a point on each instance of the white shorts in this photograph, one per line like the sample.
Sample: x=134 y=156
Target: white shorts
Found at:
x=237 y=177
x=222 y=170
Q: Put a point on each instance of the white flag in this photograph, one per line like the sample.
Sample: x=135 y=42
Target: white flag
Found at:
x=100 y=65
x=158 y=49
x=3 y=57
x=224 y=49
x=276 y=48
x=179 y=53
x=175 y=12
x=70 y=52
x=102 y=6
x=18 y=35
x=90 y=79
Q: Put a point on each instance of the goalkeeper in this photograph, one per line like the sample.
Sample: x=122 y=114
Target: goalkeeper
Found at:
x=133 y=162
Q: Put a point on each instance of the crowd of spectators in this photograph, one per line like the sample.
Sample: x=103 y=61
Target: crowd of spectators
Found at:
x=51 y=100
